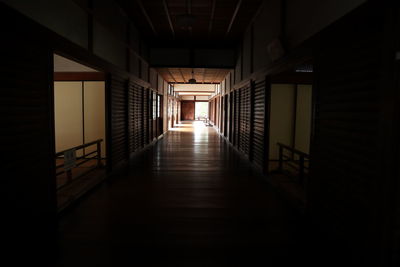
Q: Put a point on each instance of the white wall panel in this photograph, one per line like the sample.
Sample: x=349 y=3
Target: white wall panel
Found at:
x=94 y=114
x=303 y=118
x=68 y=115
x=282 y=115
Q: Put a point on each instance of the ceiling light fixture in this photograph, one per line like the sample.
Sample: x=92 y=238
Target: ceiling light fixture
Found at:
x=193 y=80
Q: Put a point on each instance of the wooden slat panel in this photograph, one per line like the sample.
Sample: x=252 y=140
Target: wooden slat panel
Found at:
x=136 y=130
x=345 y=163
x=119 y=114
x=145 y=116
x=258 y=144
x=244 y=120
x=236 y=116
x=27 y=142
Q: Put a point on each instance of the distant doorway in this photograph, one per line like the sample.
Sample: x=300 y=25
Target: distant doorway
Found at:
x=187 y=110
x=201 y=110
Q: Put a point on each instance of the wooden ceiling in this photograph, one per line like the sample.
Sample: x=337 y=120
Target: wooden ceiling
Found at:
x=202 y=75
x=217 y=22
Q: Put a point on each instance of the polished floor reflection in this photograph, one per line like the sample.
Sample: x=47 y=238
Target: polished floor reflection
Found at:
x=190 y=200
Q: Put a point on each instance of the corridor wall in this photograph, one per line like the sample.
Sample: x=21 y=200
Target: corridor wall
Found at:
x=26 y=96
x=29 y=125
x=353 y=144
x=116 y=41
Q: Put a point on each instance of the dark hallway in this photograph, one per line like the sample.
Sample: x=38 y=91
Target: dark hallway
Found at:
x=200 y=133
x=188 y=201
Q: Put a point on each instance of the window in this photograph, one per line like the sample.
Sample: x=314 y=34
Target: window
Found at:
x=158 y=106
x=154 y=106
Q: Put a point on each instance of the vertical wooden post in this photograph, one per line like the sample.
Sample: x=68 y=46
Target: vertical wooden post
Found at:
x=251 y=119
x=280 y=158
x=99 y=164
x=267 y=112
x=301 y=170
x=69 y=176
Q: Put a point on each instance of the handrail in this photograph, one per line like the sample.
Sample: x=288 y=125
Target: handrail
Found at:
x=300 y=161
x=79 y=147
x=294 y=150
x=84 y=156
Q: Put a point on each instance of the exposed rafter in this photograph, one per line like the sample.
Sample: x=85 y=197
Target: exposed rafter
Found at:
x=183 y=77
x=146 y=16
x=168 y=17
x=212 y=17
x=215 y=76
x=234 y=16
x=172 y=76
x=189 y=11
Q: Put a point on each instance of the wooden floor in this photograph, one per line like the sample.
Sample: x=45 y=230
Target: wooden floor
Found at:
x=190 y=200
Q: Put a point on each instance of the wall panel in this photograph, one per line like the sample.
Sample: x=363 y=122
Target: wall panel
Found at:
x=134 y=65
x=110 y=14
x=259 y=146
x=236 y=118
x=238 y=68
x=94 y=114
x=247 y=54
x=244 y=120
x=303 y=118
x=281 y=117
x=135 y=117
x=346 y=175
x=119 y=120
x=107 y=46
x=63 y=17
x=68 y=115
x=146 y=115
x=27 y=143
x=323 y=13
x=270 y=15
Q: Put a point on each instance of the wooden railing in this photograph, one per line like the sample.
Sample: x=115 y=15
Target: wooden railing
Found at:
x=94 y=155
x=296 y=160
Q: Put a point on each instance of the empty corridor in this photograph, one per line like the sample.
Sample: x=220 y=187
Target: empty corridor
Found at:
x=189 y=200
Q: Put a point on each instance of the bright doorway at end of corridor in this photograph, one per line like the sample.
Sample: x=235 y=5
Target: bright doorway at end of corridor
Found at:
x=194 y=100
x=201 y=110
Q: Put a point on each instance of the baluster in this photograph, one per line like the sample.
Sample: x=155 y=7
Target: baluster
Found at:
x=280 y=158
x=301 y=170
x=99 y=164
x=69 y=176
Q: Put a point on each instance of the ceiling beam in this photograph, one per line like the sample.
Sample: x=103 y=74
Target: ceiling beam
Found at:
x=146 y=16
x=189 y=11
x=189 y=6
x=212 y=17
x=189 y=91
x=169 y=17
x=234 y=16
x=195 y=83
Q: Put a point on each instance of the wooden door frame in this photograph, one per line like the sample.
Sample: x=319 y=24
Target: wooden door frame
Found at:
x=194 y=103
